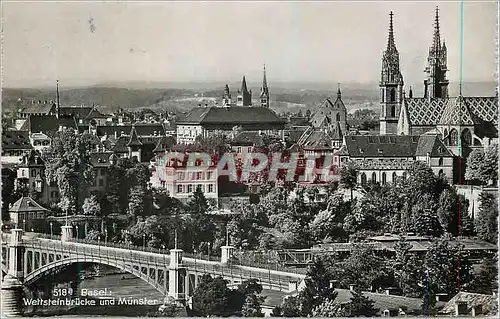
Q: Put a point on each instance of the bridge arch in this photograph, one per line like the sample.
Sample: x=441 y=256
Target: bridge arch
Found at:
x=43 y=270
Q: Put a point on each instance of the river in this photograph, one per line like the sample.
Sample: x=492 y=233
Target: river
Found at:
x=127 y=293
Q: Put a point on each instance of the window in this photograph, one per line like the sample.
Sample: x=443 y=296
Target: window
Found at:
x=393 y=111
x=453 y=137
x=103 y=171
x=202 y=188
x=199 y=176
x=179 y=189
x=466 y=137
x=101 y=182
x=211 y=188
x=394 y=176
x=180 y=176
x=190 y=188
x=374 y=177
x=393 y=95
x=239 y=149
x=440 y=162
x=363 y=179
x=404 y=175
x=23 y=173
x=384 y=178
x=33 y=173
x=209 y=175
x=338 y=117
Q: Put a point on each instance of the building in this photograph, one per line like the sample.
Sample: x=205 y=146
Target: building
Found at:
x=384 y=158
x=15 y=144
x=205 y=120
x=181 y=181
x=28 y=215
x=471 y=120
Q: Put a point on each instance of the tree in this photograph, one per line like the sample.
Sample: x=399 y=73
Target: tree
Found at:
x=361 y=305
x=425 y=219
x=211 y=297
x=8 y=195
x=252 y=306
x=290 y=307
x=201 y=225
x=91 y=206
x=487 y=280
x=486 y=223
x=349 y=176
x=318 y=287
x=328 y=309
x=490 y=165
x=448 y=269
x=407 y=269
x=474 y=169
x=67 y=162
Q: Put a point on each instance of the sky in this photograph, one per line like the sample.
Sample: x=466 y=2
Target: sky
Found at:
x=85 y=43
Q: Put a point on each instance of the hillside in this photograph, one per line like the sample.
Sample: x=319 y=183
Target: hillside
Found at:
x=288 y=99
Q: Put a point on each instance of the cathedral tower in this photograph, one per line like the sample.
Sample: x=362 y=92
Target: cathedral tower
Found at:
x=264 y=91
x=244 y=97
x=226 y=98
x=391 y=86
x=437 y=84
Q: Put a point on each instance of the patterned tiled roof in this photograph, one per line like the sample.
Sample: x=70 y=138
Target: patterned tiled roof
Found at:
x=49 y=124
x=423 y=111
x=39 y=109
x=456 y=111
x=384 y=164
x=489 y=303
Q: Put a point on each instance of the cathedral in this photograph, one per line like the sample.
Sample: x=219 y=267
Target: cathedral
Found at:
x=458 y=121
x=244 y=95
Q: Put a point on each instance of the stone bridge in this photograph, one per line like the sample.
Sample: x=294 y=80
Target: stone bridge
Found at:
x=26 y=259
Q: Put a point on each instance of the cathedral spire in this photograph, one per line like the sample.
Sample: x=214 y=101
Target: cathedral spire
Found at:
x=57 y=99
x=339 y=94
x=390 y=42
x=244 y=88
x=436 y=42
x=264 y=80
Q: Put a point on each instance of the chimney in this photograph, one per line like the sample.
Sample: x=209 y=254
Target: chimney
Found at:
x=426 y=89
x=351 y=287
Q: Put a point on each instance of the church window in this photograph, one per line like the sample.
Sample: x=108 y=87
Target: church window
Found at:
x=394 y=175
x=467 y=137
x=453 y=137
x=338 y=117
x=384 y=178
x=374 y=177
x=393 y=95
x=393 y=111
x=440 y=162
x=404 y=175
x=383 y=95
x=441 y=174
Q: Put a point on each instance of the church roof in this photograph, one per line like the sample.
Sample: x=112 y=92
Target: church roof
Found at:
x=26 y=204
x=395 y=146
x=456 y=111
x=134 y=140
x=164 y=144
x=431 y=112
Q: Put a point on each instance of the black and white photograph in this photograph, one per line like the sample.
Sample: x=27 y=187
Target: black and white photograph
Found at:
x=249 y=159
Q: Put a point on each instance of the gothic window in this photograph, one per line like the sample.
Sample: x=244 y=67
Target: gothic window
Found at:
x=404 y=175
x=453 y=137
x=393 y=111
x=382 y=97
x=374 y=177
x=393 y=95
x=338 y=117
x=440 y=163
x=467 y=137
x=441 y=173
x=384 y=178
x=394 y=175
x=363 y=179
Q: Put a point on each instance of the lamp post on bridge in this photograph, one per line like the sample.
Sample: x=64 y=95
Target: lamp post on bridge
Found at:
x=144 y=242
x=24 y=225
x=76 y=232
x=51 y=232
x=106 y=237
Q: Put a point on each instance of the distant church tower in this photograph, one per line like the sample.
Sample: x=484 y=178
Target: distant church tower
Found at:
x=436 y=84
x=264 y=91
x=226 y=98
x=391 y=86
x=244 y=97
